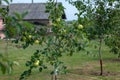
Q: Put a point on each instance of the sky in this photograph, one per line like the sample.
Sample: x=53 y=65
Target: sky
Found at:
x=69 y=9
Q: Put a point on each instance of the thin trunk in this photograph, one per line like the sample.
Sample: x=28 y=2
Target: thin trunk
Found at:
x=6 y=49
x=51 y=77
x=118 y=55
x=100 y=57
x=54 y=77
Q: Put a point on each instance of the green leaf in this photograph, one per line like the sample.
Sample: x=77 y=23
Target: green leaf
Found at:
x=40 y=69
x=18 y=16
x=3 y=68
x=28 y=25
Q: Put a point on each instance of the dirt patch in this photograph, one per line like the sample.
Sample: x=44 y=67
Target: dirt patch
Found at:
x=112 y=60
x=89 y=69
x=93 y=72
x=115 y=60
x=105 y=73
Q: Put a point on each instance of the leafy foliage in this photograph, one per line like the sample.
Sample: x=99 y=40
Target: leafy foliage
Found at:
x=64 y=39
x=113 y=39
x=5 y=64
x=99 y=15
x=95 y=17
x=13 y=28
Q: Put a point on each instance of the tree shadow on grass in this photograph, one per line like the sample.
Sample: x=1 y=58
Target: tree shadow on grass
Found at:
x=93 y=72
x=91 y=69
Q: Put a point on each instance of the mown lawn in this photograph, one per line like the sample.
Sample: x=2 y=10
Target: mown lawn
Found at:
x=80 y=66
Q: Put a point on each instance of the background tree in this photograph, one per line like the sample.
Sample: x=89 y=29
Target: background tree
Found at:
x=5 y=63
x=12 y=29
x=99 y=22
x=102 y=22
x=113 y=39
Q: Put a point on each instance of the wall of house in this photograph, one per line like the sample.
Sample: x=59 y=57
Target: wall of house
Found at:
x=39 y=21
x=2 y=35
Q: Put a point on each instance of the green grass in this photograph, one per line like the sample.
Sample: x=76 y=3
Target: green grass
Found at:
x=80 y=66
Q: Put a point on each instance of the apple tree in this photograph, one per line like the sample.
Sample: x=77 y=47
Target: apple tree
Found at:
x=113 y=39
x=96 y=16
x=13 y=26
x=5 y=63
x=64 y=40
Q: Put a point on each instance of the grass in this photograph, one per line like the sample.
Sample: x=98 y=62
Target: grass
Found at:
x=80 y=66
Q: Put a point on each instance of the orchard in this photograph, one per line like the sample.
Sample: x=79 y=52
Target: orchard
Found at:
x=97 y=23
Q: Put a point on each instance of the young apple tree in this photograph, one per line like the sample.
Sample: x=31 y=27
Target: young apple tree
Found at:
x=96 y=16
x=113 y=39
x=64 y=40
x=102 y=26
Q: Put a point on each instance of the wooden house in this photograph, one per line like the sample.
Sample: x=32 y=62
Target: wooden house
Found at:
x=36 y=12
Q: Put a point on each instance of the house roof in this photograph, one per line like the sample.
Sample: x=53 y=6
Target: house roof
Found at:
x=35 y=10
x=2 y=6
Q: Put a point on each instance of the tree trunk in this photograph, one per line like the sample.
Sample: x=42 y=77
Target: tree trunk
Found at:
x=100 y=57
x=6 y=48
x=54 y=77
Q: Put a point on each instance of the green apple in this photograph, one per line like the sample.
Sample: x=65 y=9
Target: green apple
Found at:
x=80 y=26
x=36 y=63
x=61 y=49
x=60 y=38
x=30 y=36
x=58 y=19
x=36 y=41
x=23 y=38
x=64 y=31
x=25 y=33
